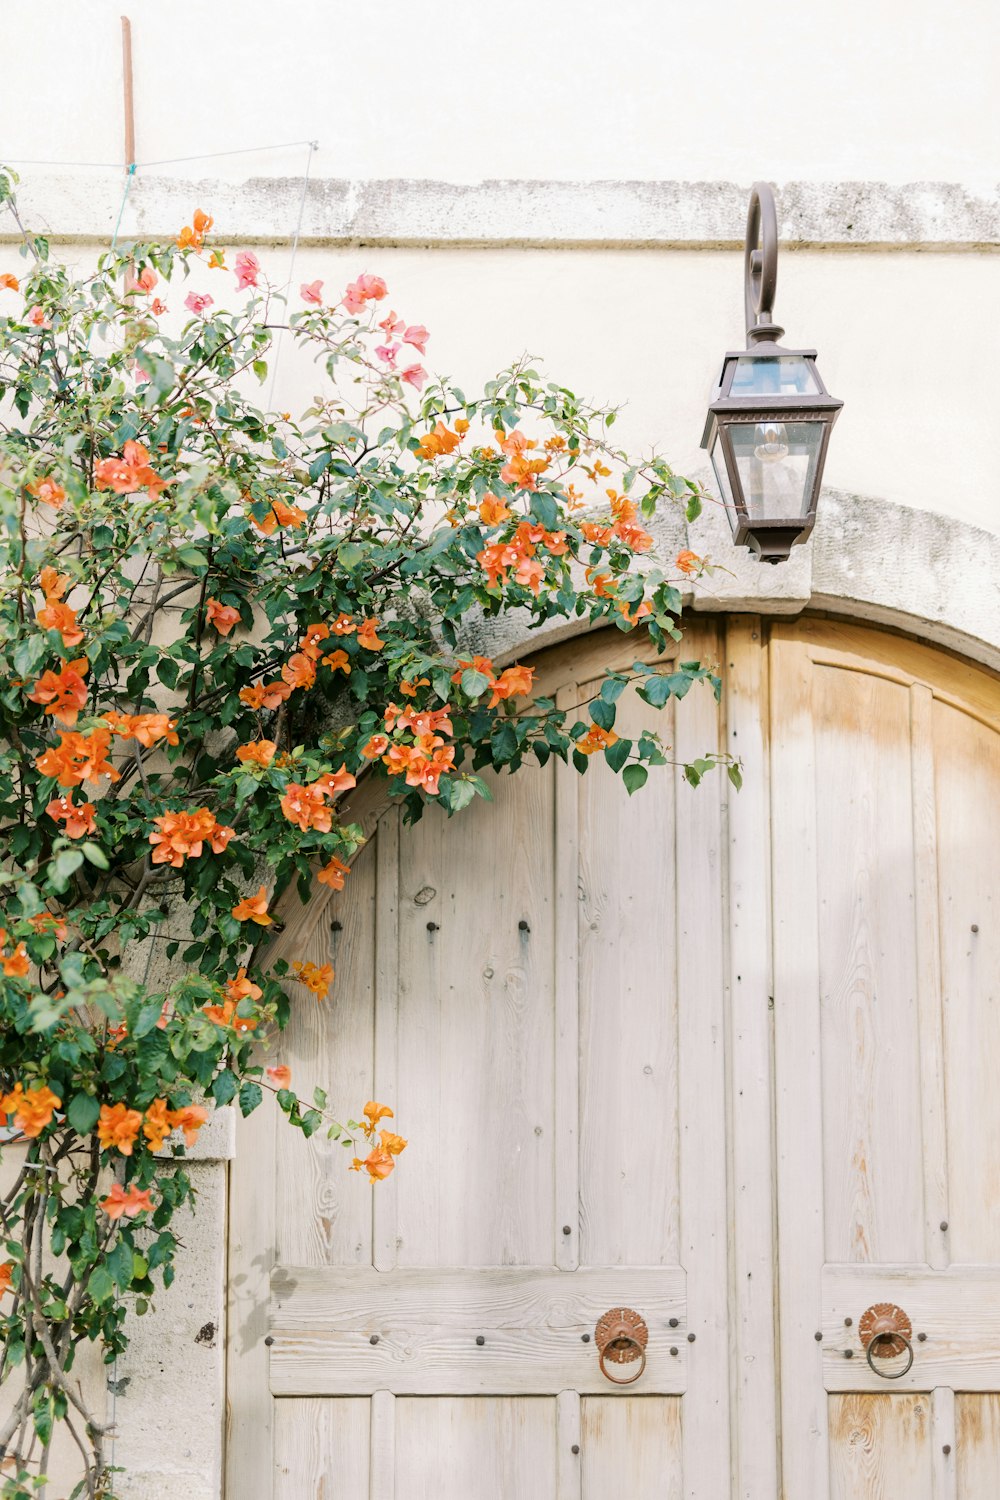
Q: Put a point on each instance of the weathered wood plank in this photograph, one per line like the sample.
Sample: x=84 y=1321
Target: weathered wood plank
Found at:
x=957 y=1308
x=975 y=1454
x=426 y=1325
x=385 y=1231
x=568 y=1429
x=566 y=1129
x=320 y=1449
x=632 y=1448
x=382 y=1462
x=944 y=1479
x=880 y=1447
x=475 y=1448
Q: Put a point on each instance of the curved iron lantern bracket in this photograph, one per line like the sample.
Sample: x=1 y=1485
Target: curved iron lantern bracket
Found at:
x=760 y=267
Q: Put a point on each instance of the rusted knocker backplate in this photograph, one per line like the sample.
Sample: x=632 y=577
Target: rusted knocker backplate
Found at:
x=885 y=1318
x=621 y=1335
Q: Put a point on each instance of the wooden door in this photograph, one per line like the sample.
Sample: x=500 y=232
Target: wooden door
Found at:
x=885 y=817
x=536 y=987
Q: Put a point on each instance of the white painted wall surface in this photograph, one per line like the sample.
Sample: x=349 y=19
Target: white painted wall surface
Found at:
x=901 y=90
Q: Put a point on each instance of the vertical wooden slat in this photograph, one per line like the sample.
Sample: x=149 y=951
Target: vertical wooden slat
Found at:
x=382 y=1463
x=384 y=1235
x=749 y=1025
x=252 y=1255
x=928 y=951
x=567 y=1011
x=798 y=1071
x=568 y=1463
x=943 y=1464
x=701 y=1093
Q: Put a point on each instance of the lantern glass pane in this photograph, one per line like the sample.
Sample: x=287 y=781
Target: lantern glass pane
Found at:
x=718 y=458
x=776 y=463
x=788 y=375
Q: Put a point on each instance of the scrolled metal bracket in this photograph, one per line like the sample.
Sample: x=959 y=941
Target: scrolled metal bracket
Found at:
x=760 y=267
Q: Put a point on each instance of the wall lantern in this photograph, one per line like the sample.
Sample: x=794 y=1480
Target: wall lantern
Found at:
x=769 y=423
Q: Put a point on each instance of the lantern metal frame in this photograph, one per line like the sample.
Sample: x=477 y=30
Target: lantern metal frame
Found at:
x=769 y=538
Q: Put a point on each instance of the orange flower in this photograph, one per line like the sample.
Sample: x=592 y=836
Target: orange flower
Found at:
x=225 y=1015
x=156 y=1124
x=129 y=473
x=438 y=442
x=78 y=758
x=242 y=988
x=118 y=1127
x=332 y=783
x=633 y=616
x=519 y=469
x=280 y=515
x=47 y=922
x=599 y=535
x=258 y=752
x=492 y=510
x=59 y=616
x=48 y=491
x=183 y=835
x=299 y=671
x=10 y=282
x=130 y=1204
x=338 y=661
x=53 y=583
x=32 y=1110
x=596 y=739
x=314 y=978
x=602 y=583
x=63 y=693
x=305 y=806
x=190 y=1119
x=374 y=1112
x=461 y=426
x=146 y=728
x=394 y=1144
x=281 y=1075
x=343 y=625
x=481 y=664
x=266 y=695
x=376 y=746
x=367 y=635
x=254 y=909
x=514 y=682
x=17 y=964
x=409 y=689
x=425 y=771
x=310 y=641
x=633 y=536
x=378 y=1164
x=7 y=1269
x=78 y=820
x=222 y=616
x=334 y=874
x=193 y=235
x=688 y=562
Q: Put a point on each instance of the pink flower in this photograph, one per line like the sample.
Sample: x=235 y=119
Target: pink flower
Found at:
x=365 y=289
x=197 y=302
x=146 y=279
x=415 y=375
x=392 y=326
x=310 y=292
x=388 y=352
x=139 y=373
x=247 y=266
x=37 y=318
x=417 y=335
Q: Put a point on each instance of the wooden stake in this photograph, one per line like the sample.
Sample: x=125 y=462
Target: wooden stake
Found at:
x=127 y=91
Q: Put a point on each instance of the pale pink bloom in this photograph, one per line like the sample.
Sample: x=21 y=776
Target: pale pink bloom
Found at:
x=146 y=279
x=37 y=318
x=198 y=302
x=414 y=375
x=388 y=352
x=140 y=374
x=417 y=335
x=247 y=266
x=365 y=289
x=392 y=326
x=310 y=292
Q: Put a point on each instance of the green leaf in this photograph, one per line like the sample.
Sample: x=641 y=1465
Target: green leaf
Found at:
x=603 y=713
x=617 y=754
x=101 y=1285
x=250 y=1096
x=474 y=683
x=634 y=777
x=735 y=776
x=83 y=1112
x=95 y=855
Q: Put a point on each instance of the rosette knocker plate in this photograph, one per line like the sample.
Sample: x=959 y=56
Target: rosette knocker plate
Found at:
x=621 y=1337
x=886 y=1332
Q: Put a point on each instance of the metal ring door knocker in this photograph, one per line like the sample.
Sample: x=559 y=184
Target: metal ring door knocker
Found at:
x=621 y=1336
x=886 y=1331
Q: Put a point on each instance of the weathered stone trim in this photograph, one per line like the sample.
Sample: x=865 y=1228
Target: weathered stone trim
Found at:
x=84 y=205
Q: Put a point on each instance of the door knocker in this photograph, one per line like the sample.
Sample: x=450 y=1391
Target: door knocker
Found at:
x=621 y=1336
x=886 y=1331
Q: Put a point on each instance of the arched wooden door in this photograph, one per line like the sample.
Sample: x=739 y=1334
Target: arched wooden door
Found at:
x=724 y=1059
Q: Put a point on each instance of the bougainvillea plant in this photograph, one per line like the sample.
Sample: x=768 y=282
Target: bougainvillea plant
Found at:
x=217 y=619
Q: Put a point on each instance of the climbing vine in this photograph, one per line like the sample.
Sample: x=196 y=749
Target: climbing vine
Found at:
x=216 y=620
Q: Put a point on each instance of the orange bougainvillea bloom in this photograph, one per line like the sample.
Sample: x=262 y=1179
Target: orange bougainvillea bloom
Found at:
x=378 y=1164
x=305 y=806
x=10 y=282
x=343 y=625
x=118 y=1127
x=265 y=695
x=299 y=671
x=183 y=835
x=633 y=616
x=79 y=820
x=315 y=978
x=63 y=693
x=222 y=616
x=409 y=689
x=17 y=964
x=225 y=1015
x=310 y=642
x=242 y=988
x=514 y=682
x=334 y=874
x=376 y=746
x=59 y=616
x=688 y=562
x=492 y=510
x=599 y=535
x=373 y=1112
x=129 y=1204
x=280 y=515
x=254 y=909
x=48 y=491
x=129 y=473
x=338 y=661
x=367 y=636
x=438 y=442
x=281 y=1075
x=78 y=758
x=596 y=739
x=48 y=922
x=7 y=1269
x=332 y=783
x=481 y=664
x=192 y=236
x=146 y=728
x=520 y=469
x=394 y=1144
x=156 y=1124
x=189 y=1121
x=52 y=583
x=32 y=1108
x=257 y=753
